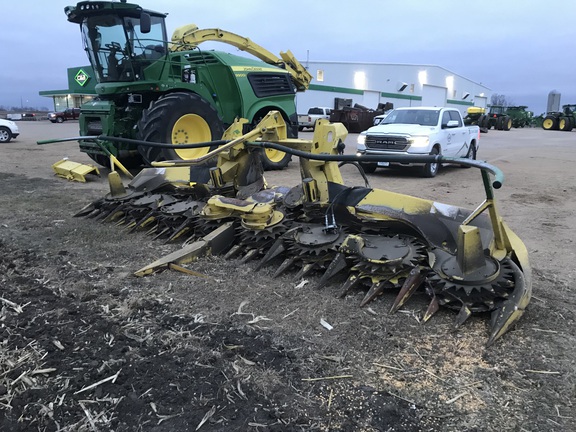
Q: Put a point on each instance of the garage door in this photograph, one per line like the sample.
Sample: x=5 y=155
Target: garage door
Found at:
x=480 y=101
x=371 y=99
x=433 y=96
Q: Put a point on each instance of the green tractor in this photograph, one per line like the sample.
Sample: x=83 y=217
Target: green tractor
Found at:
x=153 y=90
x=564 y=120
x=520 y=117
x=497 y=118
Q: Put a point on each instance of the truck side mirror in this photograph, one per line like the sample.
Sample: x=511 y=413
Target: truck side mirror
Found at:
x=145 y=22
x=450 y=124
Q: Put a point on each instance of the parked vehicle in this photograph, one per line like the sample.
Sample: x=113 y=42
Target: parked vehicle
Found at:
x=62 y=116
x=520 y=117
x=314 y=113
x=8 y=131
x=419 y=131
x=357 y=118
x=477 y=116
x=564 y=120
x=498 y=118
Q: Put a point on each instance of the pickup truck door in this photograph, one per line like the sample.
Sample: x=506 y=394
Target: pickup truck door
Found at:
x=454 y=137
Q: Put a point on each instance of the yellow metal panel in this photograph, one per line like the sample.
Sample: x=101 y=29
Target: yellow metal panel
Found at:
x=74 y=170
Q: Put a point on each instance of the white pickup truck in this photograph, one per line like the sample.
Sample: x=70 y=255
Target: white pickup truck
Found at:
x=419 y=131
x=314 y=113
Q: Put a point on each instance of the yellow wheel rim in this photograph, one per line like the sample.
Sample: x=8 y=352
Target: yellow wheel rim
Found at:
x=275 y=156
x=190 y=129
x=562 y=124
x=509 y=124
x=547 y=124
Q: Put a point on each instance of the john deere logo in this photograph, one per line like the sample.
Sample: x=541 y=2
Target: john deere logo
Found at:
x=82 y=78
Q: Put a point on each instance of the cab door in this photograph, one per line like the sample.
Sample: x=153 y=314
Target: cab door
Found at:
x=454 y=137
x=447 y=135
x=460 y=135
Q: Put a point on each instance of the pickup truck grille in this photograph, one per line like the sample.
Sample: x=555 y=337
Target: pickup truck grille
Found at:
x=392 y=143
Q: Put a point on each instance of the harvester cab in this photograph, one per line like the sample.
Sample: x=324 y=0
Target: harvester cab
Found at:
x=121 y=39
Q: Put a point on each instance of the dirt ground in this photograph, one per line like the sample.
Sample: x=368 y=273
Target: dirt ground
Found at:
x=87 y=346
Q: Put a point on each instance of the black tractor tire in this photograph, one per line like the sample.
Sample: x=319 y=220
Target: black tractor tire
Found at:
x=129 y=162
x=550 y=123
x=369 y=167
x=565 y=124
x=500 y=123
x=5 y=135
x=481 y=121
x=100 y=159
x=431 y=169
x=178 y=118
x=506 y=123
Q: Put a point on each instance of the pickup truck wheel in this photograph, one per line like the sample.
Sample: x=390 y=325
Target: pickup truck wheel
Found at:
x=178 y=118
x=5 y=135
x=59 y=119
x=470 y=155
x=369 y=167
x=431 y=169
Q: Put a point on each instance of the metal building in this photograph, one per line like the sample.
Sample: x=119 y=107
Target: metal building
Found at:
x=370 y=84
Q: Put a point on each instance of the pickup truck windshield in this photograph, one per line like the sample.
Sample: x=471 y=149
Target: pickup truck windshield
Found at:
x=415 y=116
x=118 y=50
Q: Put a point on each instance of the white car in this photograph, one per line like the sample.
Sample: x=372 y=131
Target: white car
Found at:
x=8 y=130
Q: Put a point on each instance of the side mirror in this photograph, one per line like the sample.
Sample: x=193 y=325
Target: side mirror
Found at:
x=450 y=124
x=145 y=23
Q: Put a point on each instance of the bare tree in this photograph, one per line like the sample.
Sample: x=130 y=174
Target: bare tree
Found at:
x=500 y=100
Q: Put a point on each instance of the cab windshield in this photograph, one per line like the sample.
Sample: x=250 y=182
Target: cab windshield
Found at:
x=412 y=116
x=118 y=50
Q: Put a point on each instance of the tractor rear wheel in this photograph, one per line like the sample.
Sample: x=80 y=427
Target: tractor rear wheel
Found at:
x=506 y=123
x=565 y=124
x=178 y=118
x=550 y=123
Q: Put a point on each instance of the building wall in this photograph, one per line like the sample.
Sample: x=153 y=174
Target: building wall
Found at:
x=402 y=85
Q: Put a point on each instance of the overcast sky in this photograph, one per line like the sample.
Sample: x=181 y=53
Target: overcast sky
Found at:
x=522 y=49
